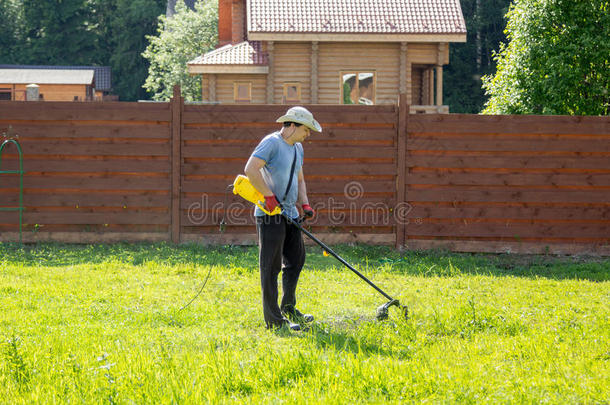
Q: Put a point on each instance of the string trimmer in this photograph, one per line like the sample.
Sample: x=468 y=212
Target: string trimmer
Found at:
x=243 y=188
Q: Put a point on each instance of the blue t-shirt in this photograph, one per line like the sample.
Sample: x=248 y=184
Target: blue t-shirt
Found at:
x=278 y=155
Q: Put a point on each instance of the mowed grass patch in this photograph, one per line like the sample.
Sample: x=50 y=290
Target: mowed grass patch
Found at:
x=102 y=324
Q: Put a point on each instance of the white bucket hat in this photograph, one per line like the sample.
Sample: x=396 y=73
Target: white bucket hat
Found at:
x=301 y=115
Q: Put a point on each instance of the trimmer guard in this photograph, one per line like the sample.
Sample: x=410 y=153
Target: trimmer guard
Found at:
x=382 y=311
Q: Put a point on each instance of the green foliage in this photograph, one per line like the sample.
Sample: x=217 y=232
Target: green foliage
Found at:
x=181 y=38
x=59 y=32
x=471 y=60
x=102 y=324
x=15 y=365
x=11 y=30
x=347 y=89
x=557 y=60
x=132 y=21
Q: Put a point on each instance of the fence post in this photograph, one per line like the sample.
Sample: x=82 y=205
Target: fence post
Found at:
x=401 y=172
x=176 y=107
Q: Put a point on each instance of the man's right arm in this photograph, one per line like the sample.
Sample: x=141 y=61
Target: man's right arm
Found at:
x=253 y=172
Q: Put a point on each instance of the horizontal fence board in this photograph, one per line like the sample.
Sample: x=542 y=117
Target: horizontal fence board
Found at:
x=86 y=237
x=508 y=143
x=214 y=229
x=510 y=212
x=469 y=178
x=107 y=148
x=244 y=152
x=110 y=111
x=245 y=217
x=328 y=238
x=508 y=162
x=232 y=133
x=103 y=129
x=96 y=183
x=363 y=187
x=100 y=166
x=508 y=229
x=541 y=247
x=100 y=228
x=54 y=198
x=251 y=238
x=268 y=114
x=505 y=194
x=508 y=124
x=345 y=134
x=321 y=203
x=371 y=169
x=78 y=218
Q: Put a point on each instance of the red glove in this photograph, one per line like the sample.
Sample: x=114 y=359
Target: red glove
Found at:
x=308 y=211
x=271 y=202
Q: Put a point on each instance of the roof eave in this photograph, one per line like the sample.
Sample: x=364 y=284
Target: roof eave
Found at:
x=357 y=37
x=227 y=68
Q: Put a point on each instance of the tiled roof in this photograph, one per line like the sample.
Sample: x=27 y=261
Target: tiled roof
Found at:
x=356 y=16
x=244 y=53
x=103 y=74
x=46 y=76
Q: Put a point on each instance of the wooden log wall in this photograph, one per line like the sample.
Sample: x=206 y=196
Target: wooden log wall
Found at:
x=101 y=172
x=95 y=172
x=225 y=87
x=292 y=63
x=509 y=183
x=381 y=58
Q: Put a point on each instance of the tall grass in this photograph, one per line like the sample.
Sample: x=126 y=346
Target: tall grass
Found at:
x=102 y=324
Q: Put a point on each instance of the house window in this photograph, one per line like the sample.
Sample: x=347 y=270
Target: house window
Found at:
x=358 y=87
x=6 y=94
x=242 y=92
x=292 y=92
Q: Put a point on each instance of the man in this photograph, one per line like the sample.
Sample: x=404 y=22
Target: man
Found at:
x=275 y=168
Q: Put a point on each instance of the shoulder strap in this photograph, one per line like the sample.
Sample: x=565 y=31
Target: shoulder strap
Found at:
x=294 y=161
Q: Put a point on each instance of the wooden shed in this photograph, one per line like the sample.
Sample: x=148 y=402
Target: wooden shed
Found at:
x=331 y=52
x=53 y=84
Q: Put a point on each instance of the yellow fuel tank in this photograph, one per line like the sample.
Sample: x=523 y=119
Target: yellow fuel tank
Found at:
x=246 y=190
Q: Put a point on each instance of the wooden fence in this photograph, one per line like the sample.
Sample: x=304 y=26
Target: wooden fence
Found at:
x=103 y=172
x=509 y=183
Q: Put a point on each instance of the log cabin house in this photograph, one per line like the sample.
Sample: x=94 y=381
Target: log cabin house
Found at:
x=331 y=52
x=56 y=83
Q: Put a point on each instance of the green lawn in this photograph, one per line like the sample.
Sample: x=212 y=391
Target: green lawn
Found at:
x=102 y=324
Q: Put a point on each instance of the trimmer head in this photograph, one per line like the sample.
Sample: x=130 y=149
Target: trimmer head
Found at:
x=382 y=311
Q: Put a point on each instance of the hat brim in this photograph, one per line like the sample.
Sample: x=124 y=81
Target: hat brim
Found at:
x=313 y=125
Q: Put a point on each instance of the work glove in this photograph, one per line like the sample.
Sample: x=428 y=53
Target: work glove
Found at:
x=271 y=202
x=308 y=212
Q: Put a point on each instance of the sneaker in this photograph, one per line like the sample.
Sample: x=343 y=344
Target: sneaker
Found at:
x=292 y=326
x=297 y=316
x=284 y=323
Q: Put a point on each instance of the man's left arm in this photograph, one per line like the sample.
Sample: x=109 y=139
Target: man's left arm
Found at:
x=302 y=198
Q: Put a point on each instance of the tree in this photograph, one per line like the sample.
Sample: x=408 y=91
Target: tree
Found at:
x=59 y=32
x=473 y=59
x=557 y=60
x=11 y=31
x=131 y=23
x=181 y=38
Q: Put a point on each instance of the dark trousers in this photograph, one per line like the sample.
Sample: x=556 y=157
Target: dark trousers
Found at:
x=281 y=248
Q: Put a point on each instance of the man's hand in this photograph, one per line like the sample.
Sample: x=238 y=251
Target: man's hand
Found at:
x=271 y=202
x=308 y=211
